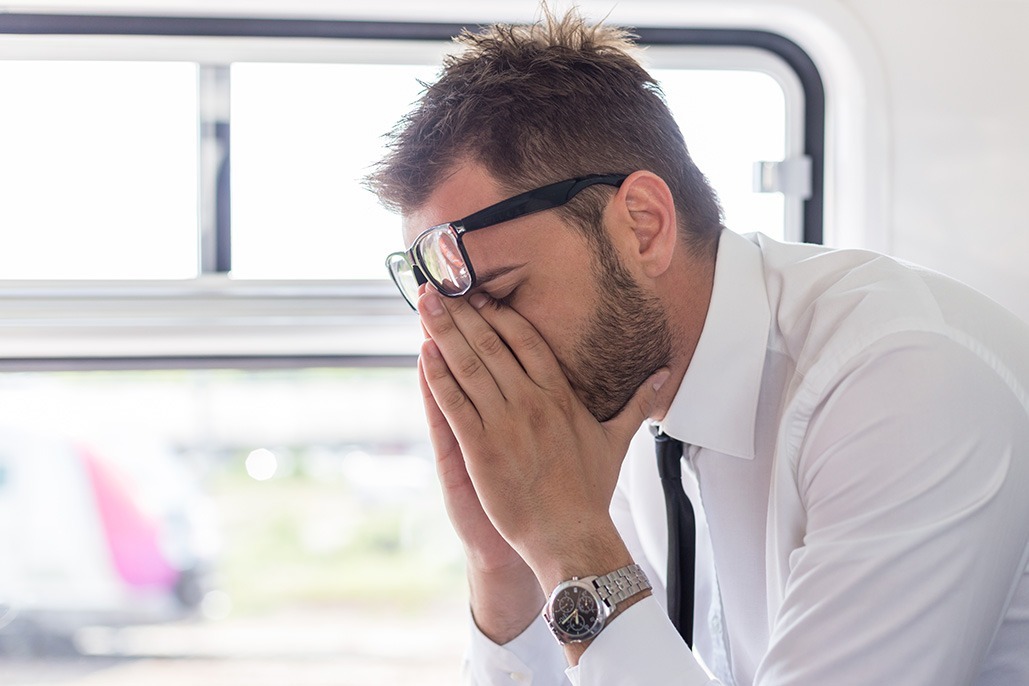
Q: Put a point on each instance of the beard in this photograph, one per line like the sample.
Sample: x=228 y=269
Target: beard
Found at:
x=626 y=339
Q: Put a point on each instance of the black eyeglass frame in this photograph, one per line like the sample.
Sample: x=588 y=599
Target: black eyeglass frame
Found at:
x=537 y=200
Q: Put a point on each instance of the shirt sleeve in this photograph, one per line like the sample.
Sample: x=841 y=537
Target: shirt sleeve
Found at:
x=912 y=476
x=533 y=657
x=640 y=646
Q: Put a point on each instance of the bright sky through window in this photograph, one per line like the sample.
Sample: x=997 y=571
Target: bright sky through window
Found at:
x=98 y=169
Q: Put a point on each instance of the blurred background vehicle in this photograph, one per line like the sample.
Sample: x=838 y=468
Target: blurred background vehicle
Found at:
x=114 y=535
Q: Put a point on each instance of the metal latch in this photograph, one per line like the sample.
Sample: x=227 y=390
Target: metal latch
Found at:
x=790 y=177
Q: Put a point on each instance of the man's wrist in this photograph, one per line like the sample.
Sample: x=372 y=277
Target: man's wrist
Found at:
x=504 y=602
x=593 y=553
x=507 y=600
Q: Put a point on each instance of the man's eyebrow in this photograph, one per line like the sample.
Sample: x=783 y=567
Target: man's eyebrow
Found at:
x=483 y=278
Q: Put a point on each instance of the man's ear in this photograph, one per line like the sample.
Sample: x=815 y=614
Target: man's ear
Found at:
x=646 y=213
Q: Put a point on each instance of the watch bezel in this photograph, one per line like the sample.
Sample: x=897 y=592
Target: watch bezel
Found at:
x=603 y=611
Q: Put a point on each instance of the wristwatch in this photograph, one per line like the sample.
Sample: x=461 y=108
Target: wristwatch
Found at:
x=578 y=609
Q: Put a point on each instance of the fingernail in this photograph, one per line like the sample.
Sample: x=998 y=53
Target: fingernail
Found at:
x=432 y=303
x=431 y=349
x=478 y=300
x=660 y=378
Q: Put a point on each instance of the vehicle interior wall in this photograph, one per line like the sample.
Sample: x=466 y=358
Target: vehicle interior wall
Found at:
x=957 y=106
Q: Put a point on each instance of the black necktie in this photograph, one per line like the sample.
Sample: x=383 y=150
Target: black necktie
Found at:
x=682 y=536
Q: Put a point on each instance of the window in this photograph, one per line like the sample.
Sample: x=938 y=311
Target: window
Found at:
x=225 y=514
x=98 y=170
x=212 y=446
x=175 y=163
x=303 y=135
x=748 y=110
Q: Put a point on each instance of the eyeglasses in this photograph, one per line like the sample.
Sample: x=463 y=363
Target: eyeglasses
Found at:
x=437 y=255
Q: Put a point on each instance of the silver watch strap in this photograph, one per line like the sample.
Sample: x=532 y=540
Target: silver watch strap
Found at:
x=620 y=584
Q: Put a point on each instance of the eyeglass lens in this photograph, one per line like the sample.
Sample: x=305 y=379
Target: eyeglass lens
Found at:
x=403 y=275
x=443 y=262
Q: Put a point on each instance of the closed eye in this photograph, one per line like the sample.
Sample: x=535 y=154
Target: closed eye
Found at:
x=506 y=299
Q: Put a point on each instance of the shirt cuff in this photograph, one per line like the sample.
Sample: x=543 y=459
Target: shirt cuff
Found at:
x=533 y=657
x=640 y=646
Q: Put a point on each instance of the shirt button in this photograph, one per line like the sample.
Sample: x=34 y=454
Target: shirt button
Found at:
x=519 y=678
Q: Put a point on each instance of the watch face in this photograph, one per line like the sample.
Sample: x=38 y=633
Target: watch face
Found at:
x=576 y=612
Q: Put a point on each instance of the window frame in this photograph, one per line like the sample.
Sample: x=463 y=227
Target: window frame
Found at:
x=215 y=321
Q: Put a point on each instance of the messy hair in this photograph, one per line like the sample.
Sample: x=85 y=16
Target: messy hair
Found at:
x=540 y=103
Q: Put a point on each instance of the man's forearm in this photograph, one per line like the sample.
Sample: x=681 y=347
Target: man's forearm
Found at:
x=504 y=601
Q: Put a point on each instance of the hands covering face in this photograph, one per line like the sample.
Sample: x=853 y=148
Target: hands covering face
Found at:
x=527 y=471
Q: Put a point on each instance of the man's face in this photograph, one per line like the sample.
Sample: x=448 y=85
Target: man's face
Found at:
x=607 y=333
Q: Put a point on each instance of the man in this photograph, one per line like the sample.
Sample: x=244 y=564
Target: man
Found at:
x=856 y=430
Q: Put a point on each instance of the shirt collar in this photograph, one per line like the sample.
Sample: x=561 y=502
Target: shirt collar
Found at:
x=716 y=404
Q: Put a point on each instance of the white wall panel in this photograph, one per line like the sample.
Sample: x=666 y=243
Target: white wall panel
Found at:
x=957 y=75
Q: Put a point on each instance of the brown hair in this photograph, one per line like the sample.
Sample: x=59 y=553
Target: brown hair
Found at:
x=541 y=103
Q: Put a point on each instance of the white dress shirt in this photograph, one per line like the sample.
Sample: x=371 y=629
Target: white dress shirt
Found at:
x=858 y=460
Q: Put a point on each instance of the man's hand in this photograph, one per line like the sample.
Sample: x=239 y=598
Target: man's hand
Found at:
x=542 y=467
x=505 y=595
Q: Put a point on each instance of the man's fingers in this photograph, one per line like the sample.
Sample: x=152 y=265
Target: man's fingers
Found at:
x=449 y=397
x=465 y=366
x=622 y=426
x=449 y=459
x=490 y=347
x=440 y=433
x=529 y=347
